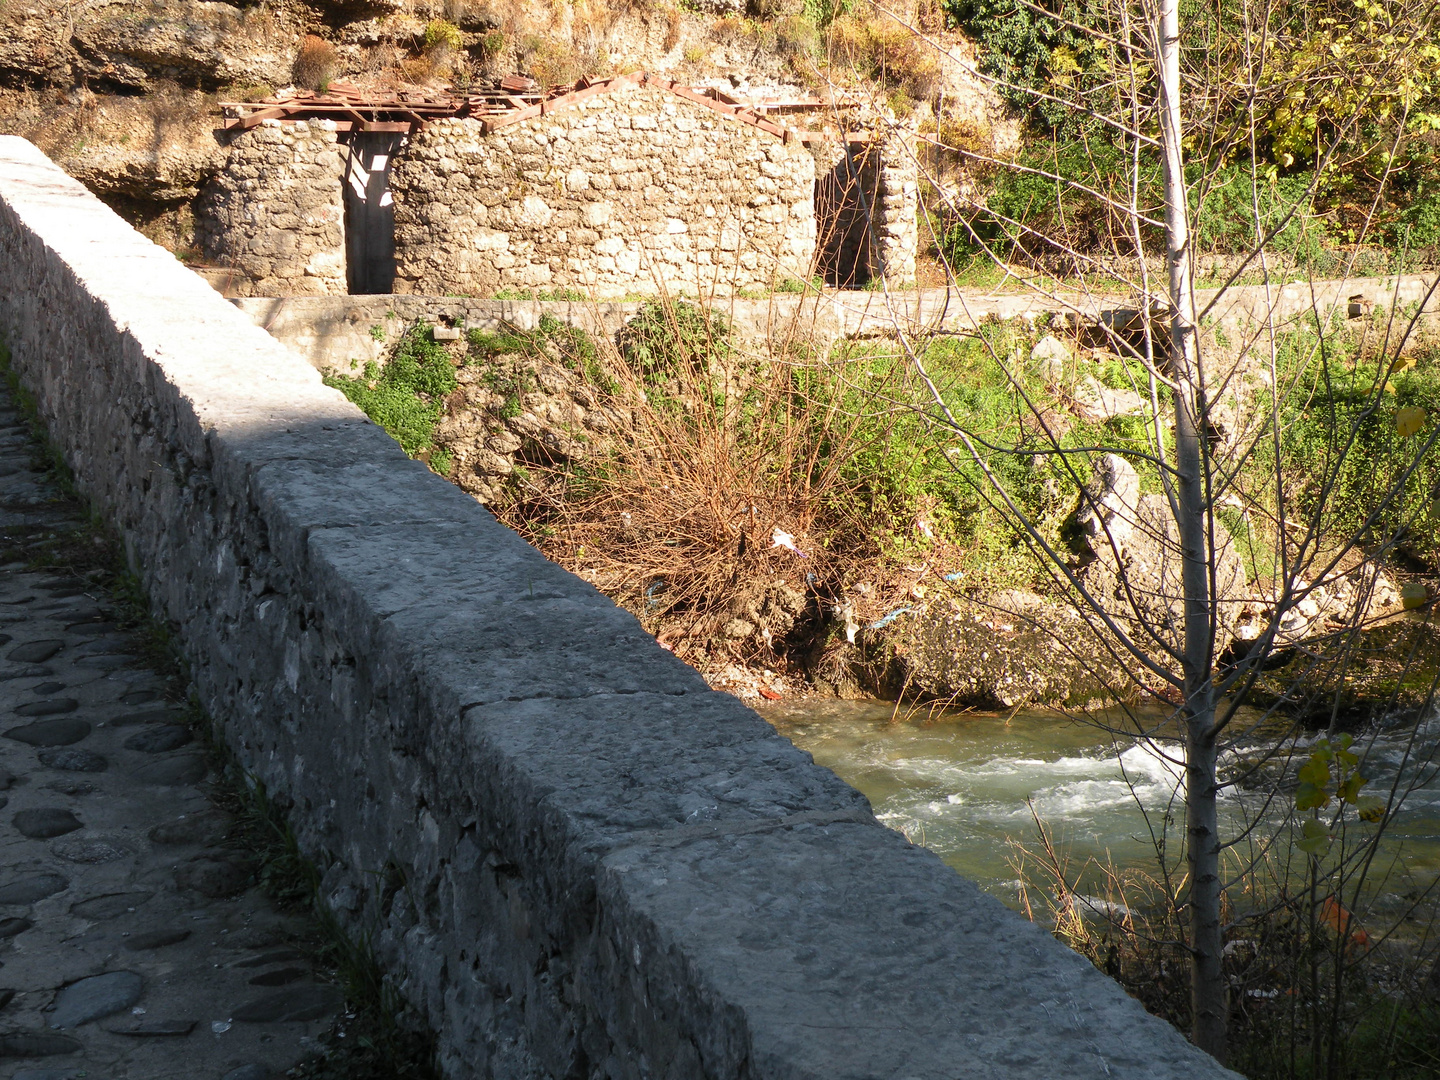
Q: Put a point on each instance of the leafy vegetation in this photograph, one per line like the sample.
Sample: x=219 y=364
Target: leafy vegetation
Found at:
x=406 y=397
x=667 y=337
x=1336 y=120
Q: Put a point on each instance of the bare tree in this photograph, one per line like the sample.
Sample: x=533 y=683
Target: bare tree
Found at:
x=1097 y=234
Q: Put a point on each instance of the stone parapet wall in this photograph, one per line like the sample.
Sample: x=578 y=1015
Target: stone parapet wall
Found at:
x=613 y=194
x=571 y=856
x=276 y=213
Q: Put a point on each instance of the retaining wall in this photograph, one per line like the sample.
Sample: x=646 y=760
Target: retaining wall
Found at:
x=573 y=857
x=340 y=331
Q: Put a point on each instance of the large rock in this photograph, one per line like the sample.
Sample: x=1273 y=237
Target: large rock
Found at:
x=1099 y=403
x=1106 y=515
x=129 y=43
x=515 y=409
x=1008 y=649
x=1136 y=574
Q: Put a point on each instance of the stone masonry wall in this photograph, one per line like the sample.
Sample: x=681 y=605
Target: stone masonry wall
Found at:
x=897 y=211
x=276 y=213
x=572 y=856
x=624 y=188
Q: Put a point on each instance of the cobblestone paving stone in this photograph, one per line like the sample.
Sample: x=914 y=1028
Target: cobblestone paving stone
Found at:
x=133 y=942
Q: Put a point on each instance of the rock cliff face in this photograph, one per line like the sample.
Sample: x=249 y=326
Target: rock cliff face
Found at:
x=122 y=93
x=124 y=45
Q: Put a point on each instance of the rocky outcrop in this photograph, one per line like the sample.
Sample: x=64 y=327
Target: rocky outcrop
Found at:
x=1136 y=572
x=127 y=45
x=1017 y=648
x=159 y=147
x=197 y=44
x=519 y=409
x=1008 y=649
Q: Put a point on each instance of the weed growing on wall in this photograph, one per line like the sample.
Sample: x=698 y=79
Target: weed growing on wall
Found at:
x=666 y=337
x=406 y=397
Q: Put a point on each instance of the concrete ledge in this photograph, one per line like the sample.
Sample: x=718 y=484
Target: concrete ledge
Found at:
x=345 y=332
x=573 y=857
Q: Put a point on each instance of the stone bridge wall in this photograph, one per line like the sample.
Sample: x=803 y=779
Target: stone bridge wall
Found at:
x=573 y=857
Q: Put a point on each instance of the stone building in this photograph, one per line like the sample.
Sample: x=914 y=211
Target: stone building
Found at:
x=623 y=186
x=618 y=192
x=276 y=214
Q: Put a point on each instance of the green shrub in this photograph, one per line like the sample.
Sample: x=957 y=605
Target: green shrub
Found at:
x=1022 y=203
x=664 y=338
x=796 y=35
x=794 y=286
x=552 y=339
x=1225 y=218
x=1024 y=49
x=1419 y=224
x=406 y=397
x=440 y=34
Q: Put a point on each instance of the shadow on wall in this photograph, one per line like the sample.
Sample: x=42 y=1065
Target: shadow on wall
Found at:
x=370 y=212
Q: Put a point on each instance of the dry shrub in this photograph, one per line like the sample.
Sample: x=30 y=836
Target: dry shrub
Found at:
x=725 y=453
x=418 y=69
x=1313 y=992
x=796 y=35
x=888 y=52
x=591 y=23
x=956 y=135
x=553 y=63
x=315 y=64
x=672 y=30
x=381 y=58
x=729 y=30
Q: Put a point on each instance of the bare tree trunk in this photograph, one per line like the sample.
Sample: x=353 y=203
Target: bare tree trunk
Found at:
x=1189 y=503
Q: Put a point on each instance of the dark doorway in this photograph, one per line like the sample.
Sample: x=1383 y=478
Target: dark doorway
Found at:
x=370 y=212
x=844 y=202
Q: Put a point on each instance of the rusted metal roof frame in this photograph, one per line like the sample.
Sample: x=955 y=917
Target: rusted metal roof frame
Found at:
x=346 y=106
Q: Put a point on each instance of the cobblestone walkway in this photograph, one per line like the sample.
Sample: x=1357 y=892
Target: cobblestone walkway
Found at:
x=133 y=942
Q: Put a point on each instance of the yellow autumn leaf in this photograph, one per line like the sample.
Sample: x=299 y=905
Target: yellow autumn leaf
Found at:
x=1409 y=420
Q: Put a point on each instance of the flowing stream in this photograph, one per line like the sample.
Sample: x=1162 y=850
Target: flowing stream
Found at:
x=963 y=784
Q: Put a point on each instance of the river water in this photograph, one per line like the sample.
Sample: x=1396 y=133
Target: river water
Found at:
x=964 y=784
